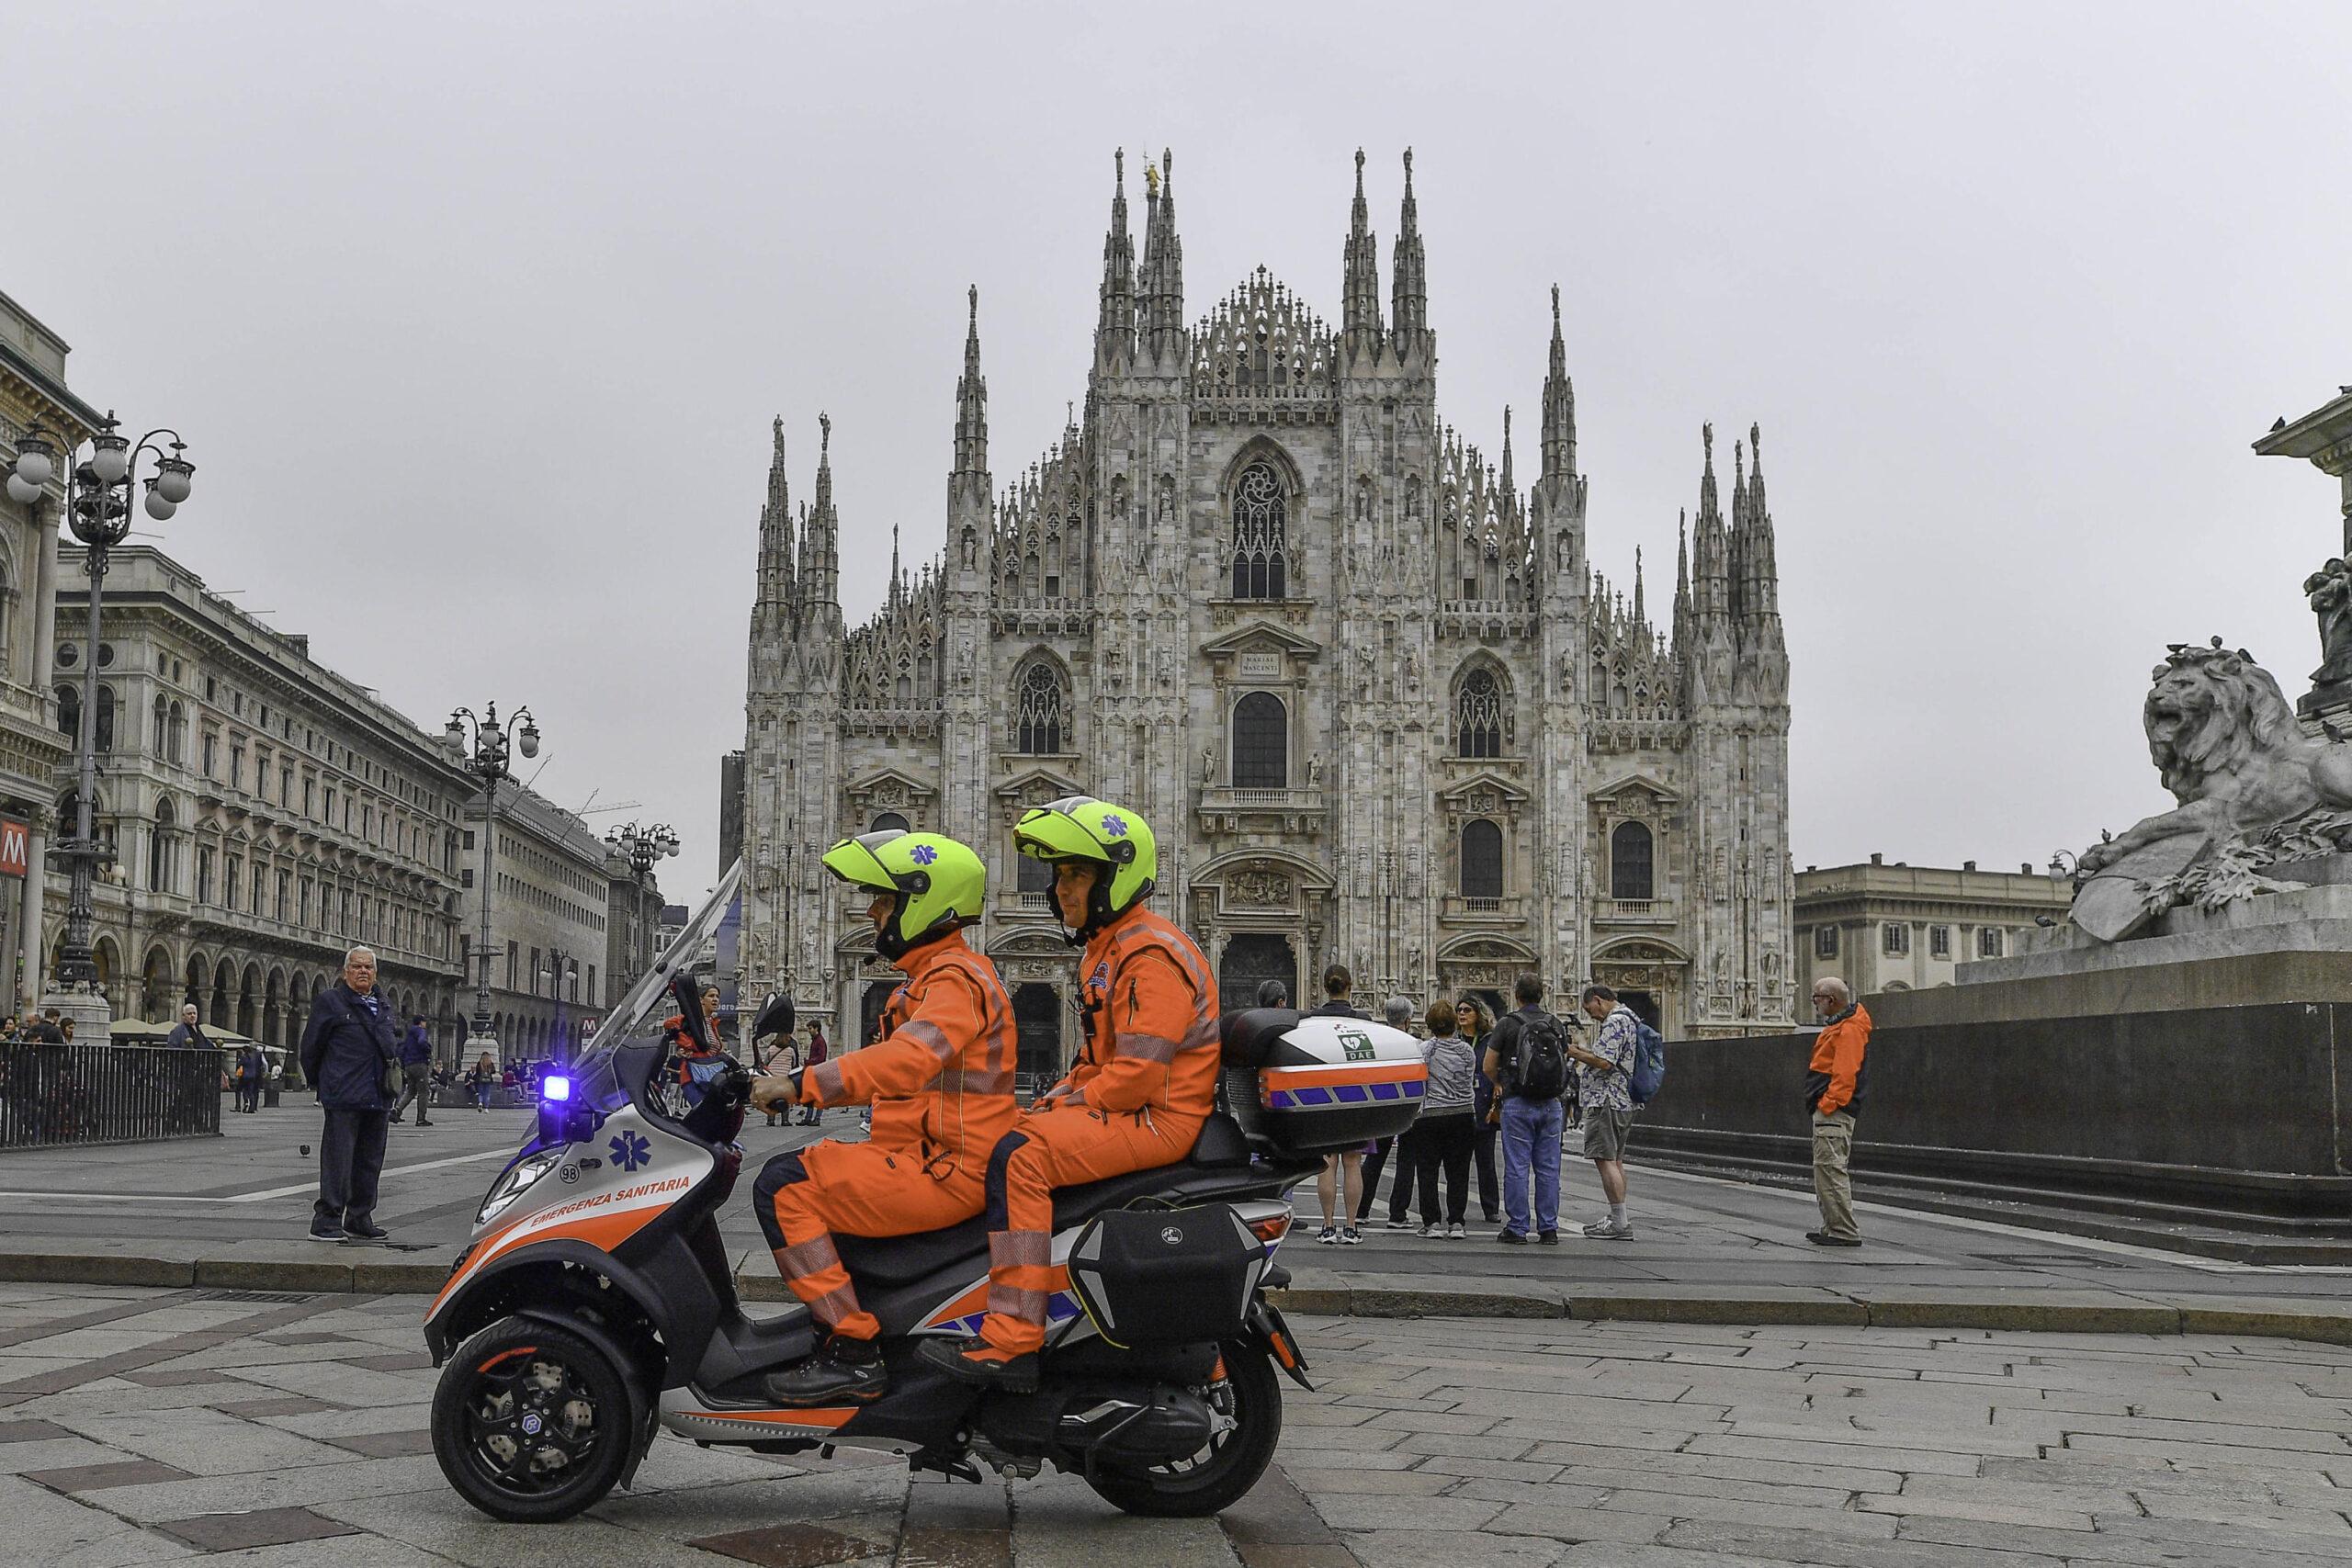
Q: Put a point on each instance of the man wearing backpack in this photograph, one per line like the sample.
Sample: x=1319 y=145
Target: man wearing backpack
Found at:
x=1605 y=1086
x=1528 y=1063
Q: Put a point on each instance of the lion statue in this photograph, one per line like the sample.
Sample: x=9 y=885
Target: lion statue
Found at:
x=2228 y=746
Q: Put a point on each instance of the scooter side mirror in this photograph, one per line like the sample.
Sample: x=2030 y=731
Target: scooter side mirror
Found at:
x=777 y=1017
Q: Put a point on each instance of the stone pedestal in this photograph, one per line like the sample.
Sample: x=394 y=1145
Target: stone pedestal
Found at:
x=93 y=1017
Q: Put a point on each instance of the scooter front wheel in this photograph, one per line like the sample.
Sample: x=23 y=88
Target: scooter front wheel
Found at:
x=1247 y=1406
x=531 y=1424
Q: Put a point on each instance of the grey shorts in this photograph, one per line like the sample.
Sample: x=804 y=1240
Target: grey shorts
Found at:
x=1604 y=1133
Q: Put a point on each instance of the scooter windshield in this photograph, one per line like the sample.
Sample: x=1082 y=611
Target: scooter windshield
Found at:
x=705 y=948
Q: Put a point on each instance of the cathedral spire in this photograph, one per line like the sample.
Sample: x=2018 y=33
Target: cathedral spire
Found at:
x=1360 y=297
x=972 y=403
x=1115 y=326
x=1763 y=553
x=1640 y=617
x=1508 y=490
x=1708 y=510
x=1409 y=302
x=1559 y=405
x=778 y=581
x=820 y=533
x=972 y=399
x=1163 y=260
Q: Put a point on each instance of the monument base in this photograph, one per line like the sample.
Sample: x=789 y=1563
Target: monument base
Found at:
x=93 y=1016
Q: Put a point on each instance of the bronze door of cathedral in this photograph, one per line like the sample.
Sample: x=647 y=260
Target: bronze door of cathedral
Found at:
x=1251 y=960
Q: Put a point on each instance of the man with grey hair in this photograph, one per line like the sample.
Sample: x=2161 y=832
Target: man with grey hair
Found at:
x=1398 y=1013
x=1833 y=1087
x=351 y=1052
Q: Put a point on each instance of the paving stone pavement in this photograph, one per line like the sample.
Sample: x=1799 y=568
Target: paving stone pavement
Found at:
x=157 y=1425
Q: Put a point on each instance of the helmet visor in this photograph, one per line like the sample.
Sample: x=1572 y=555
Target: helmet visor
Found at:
x=1048 y=832
x=856 y=862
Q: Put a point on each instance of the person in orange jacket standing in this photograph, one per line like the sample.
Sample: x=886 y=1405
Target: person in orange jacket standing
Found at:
x=1135 y=1099
x=1833 y=1087
x=940 y=1081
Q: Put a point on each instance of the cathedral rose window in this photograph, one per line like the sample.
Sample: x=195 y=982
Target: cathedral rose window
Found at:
x=1260 y=545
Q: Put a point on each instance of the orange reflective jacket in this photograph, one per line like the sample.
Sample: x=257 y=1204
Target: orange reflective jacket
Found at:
x=1151 y=1022
x=941 y=1076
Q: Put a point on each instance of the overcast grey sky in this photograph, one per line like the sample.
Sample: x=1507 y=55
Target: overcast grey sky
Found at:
x=475 y=317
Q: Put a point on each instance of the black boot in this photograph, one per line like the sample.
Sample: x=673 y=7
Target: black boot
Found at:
x=842 y=1372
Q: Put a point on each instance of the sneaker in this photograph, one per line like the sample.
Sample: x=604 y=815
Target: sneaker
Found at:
x=842 y=1372
x=1350 y=1237
x=1427 y=1231
x=422 y=1123
x=1611 y=1231
x=1327 y=1236
x=1597 y=1227
x=364 y=1230
x=975 y=1361
x=1455 y=1233
x=1549 y=1238
x=1511 y=1238
x=1824 y=1238
x=327 y=1232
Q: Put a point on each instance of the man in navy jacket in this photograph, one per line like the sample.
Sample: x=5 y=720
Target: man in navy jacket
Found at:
x=350 y=1051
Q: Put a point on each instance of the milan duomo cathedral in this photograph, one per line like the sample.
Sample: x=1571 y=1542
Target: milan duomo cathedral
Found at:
x=1369 y=692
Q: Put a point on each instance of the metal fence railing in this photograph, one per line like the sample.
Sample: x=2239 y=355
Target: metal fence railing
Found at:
x=57 y=1095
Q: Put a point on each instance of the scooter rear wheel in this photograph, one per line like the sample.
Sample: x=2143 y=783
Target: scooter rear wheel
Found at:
x=1248 y=1407
x=531 y=1424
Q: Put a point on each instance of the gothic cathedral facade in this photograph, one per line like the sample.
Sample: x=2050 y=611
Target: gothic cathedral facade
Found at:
x=1369 y=692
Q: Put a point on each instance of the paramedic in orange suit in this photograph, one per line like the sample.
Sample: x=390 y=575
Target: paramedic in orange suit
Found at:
x=940 y=1081
x=1135 y=1101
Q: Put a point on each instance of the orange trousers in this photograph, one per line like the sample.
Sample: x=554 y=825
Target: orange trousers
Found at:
x=808 y=1194
x=1045 y=1149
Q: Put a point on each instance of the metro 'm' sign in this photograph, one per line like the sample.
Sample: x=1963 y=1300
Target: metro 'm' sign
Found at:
x=12 y=847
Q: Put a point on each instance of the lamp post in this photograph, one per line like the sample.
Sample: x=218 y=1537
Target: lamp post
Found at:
x=642 y=847
x=483 y=745
x=558 y=968
x=99 y=475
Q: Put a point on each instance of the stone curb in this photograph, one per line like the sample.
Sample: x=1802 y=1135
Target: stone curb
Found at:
x=1321 y=1294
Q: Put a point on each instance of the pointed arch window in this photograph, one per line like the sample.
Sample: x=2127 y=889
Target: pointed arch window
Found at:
x=1260 y=534
x=1630 y=857
x=1260 y=742
x=1478 y=714
x=1037 y=712
x=1482 y=859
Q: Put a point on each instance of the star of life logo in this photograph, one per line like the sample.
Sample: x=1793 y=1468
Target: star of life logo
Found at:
x=630 y=1150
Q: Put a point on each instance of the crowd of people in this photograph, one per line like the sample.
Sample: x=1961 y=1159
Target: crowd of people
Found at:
x=1501 y=1096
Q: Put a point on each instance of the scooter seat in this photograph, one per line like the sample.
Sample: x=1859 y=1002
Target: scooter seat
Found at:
x=891 y=1261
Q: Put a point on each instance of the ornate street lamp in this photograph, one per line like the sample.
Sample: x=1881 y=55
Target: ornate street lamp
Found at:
x=98 y=476
x=483 y=746
x=642 y=847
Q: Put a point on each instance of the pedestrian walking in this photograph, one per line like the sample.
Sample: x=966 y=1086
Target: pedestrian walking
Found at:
x=1477 y=1027
x=1398 y=1013
x=416 y=1070
x=48 y=1030
x=819 y=1049
x=1833 y=1090
x=485 y=1078
x=1342 y=1174
x=351 y=1051
x=252 y=1066
x=1605 y=1092
x=1527 y=1061
x=1442 y=1136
